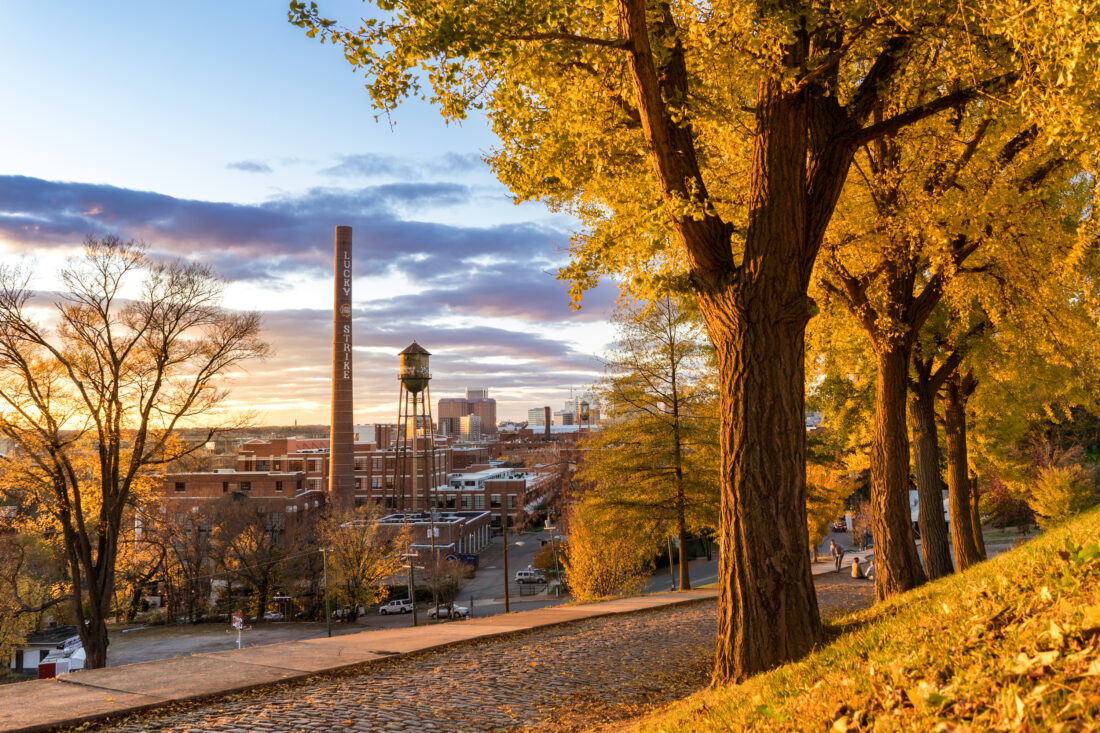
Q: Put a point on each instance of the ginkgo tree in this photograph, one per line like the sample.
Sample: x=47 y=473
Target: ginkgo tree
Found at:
x=712 y=141
x=940 y=205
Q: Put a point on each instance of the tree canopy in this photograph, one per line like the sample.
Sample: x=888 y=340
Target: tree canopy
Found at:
x=706 y=146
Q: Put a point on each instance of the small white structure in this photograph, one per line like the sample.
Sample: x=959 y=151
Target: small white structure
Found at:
x=914 y=506
x=59 y=646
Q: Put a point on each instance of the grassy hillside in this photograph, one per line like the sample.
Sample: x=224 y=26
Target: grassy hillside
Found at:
x=1013 y=644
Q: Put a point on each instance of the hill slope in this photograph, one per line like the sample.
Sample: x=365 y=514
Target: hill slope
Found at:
x=1012 y=644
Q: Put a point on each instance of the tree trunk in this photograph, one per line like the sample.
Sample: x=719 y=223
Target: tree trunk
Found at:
x=958 y=475
x=94 y=581
x=926 y=459
x=976 y=518
x=767 y=610
x=897 y=565
x=685 y=577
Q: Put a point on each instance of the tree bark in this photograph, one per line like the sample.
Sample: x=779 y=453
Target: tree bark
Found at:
x=958 y=473
x=768 y=610
x=897 y=565
x=926 y=460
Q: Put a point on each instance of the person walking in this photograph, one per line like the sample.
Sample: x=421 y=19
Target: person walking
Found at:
x=837 y=552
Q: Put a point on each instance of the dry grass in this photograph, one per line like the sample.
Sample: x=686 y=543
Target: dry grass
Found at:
x=1012 y=644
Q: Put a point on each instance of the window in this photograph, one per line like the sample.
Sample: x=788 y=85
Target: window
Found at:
x=479 y=501
x=376 y=464
x=360 y=464
x=225 y=487
x=278 y=485
x=298 y=485
x=264 y=465
x=465 y=501
x=494 y=501
x=247 y=486
x=511 y=501
x=180 y=486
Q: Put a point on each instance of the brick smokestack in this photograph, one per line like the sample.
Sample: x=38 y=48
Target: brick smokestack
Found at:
x=546 y=420
x=341 y=455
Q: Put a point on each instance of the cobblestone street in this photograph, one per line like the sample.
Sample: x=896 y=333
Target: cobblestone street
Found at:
x=564 y=678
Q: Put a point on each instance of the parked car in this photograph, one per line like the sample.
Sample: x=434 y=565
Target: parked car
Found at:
x=530 y=576
x=399 y=605
x=840 y=526
x=273 y=616
x=449 y=612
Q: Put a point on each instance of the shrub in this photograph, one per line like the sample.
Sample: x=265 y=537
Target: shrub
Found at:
x=1060 y=492
x=598 y=564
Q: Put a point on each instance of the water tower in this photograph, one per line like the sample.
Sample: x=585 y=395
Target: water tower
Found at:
x=414 y=405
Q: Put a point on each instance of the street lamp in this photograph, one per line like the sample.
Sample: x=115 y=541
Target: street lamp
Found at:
x=557 y=568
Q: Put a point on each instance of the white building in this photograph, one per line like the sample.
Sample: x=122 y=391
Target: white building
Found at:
x=60 y=645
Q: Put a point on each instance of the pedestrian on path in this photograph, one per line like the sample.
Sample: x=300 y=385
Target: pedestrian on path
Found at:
x=837 y=552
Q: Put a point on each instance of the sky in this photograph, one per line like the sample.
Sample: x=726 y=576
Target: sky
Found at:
x=219 y=133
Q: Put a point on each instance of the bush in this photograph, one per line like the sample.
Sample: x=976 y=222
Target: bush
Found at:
x=599 y=564
x=1061 y=492
x=1003 y=505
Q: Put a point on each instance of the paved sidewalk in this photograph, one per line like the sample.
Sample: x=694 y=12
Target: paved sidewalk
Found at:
x=118 y=691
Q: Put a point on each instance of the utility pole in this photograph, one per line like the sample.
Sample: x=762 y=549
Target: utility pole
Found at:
x=328 y=609
x=504 y=526
x=671 y=576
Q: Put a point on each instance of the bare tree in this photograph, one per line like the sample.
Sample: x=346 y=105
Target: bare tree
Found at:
x=135 y=349
x=248 y=544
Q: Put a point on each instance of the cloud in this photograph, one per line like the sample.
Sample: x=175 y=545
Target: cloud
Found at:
x=289 y=232
x=522 y=369
x=380 y=165
x=249 y=166
x=469 y=284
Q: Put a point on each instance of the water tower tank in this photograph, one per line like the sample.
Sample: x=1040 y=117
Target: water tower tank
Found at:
x=415 y=373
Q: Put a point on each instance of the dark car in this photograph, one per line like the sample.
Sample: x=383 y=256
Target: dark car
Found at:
x=840 y=526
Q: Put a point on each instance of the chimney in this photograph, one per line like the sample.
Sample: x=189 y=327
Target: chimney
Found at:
x=341 y=454
x=546 y=420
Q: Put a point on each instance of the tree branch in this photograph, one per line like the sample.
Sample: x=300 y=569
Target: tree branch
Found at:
x=918 y=113
x=618 y=43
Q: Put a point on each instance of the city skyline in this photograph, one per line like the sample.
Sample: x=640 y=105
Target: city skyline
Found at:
x=240 y=144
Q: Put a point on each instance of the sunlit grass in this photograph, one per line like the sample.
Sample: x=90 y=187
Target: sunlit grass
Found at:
x=1010 y=645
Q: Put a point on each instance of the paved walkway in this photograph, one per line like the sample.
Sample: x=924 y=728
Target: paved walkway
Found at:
x=518 y=668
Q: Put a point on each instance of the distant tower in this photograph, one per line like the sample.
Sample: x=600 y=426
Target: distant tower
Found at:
x=341 y=454
x=414 y=409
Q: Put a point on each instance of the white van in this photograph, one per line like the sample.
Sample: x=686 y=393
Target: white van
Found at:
x=530 y=576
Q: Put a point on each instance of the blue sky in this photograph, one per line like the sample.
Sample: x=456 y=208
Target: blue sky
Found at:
x=218 y=131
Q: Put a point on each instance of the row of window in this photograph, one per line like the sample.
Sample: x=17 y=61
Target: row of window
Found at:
x=243 y=486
